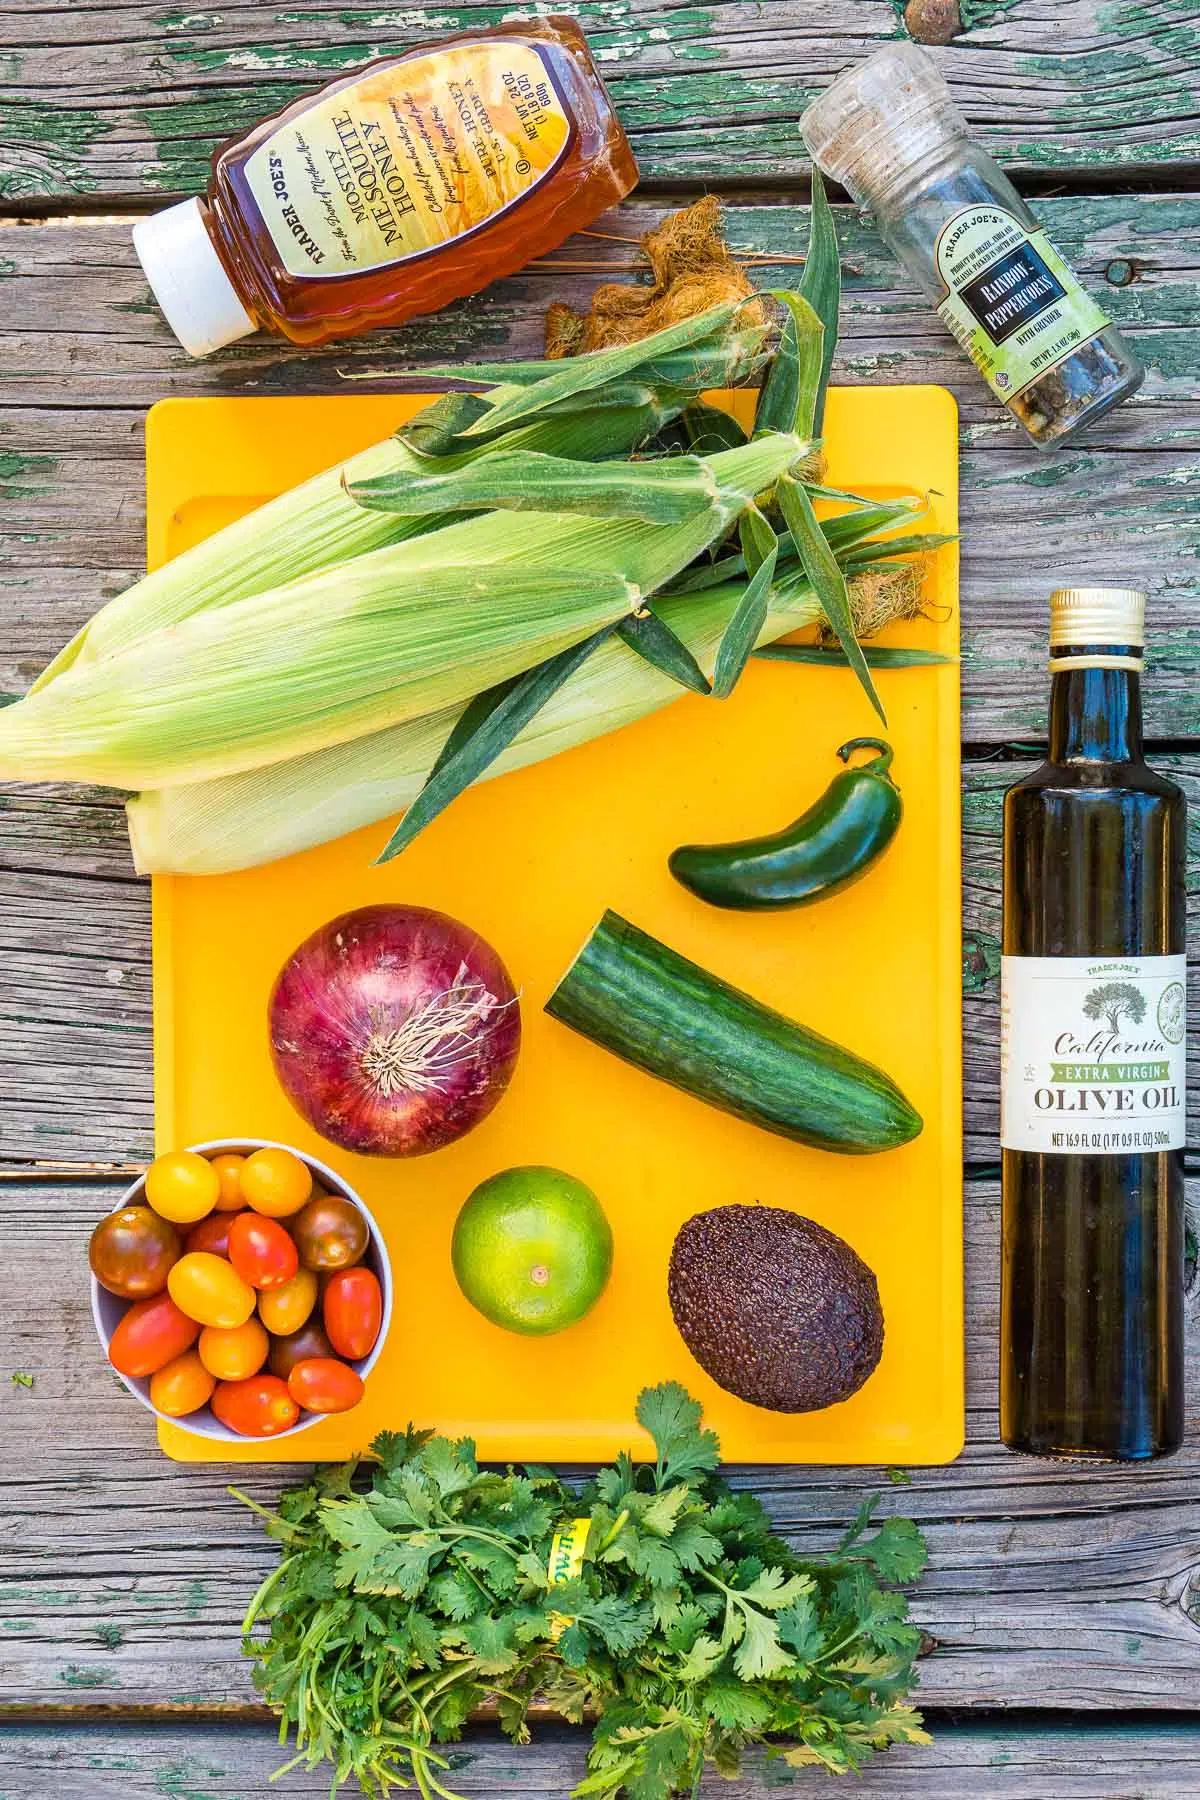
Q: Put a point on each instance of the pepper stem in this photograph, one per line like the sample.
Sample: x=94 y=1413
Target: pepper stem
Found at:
x=879 y=765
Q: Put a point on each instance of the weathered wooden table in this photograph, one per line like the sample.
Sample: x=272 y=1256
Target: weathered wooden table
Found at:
x=1062 y=1608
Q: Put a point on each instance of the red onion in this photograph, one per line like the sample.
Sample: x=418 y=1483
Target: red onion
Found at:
x=394 y=1030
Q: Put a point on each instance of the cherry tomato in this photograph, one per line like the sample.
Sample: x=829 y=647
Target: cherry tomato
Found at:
x=150 y=1335
x=210 y=1290
x=182 y=1186
x=275 y=1183
x=229 y=1172
x=131 y=1252
x=300 y=1346
x=261 y=1251
x=330 y=1233
x=353 y=1312
x=325 y=1385
x=257 y=1407
x=284 y=1309
x=233 y=1353
x=211 y=1234
x=182 y=1387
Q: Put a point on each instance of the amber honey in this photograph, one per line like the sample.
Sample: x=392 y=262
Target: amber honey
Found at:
x=394 y=190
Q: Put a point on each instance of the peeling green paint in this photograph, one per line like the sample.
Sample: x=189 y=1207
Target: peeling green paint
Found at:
x=981 y=960
x=17 y=1625
x=46 y=148
x=78 y=1675
x=14 y=466
x=175 y=1780
x=110 y=1634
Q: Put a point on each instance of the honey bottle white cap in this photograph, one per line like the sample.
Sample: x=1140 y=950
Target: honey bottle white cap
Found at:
x=199 y=302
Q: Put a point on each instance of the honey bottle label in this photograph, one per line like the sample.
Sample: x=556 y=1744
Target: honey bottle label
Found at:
x=1011 y=301
x=419 y=153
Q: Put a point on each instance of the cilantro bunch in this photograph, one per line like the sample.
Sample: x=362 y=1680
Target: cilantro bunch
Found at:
x=414 y=1588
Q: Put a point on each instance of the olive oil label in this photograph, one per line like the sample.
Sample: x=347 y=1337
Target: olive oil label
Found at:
x=419 y=153
x=1011 y=301
x=1093 y=1056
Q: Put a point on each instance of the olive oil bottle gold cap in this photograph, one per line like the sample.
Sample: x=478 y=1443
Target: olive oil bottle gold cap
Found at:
x=1094 y=615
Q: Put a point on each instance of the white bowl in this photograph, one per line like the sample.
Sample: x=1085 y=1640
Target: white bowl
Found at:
x=107 y=1309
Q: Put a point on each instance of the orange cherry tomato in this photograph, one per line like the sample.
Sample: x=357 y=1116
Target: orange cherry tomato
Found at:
x=182 y=1186
x=150 y=1335
x=275 y=1183
x=233 y=1353
x=284 y=1309
x=210 y=1290
x=131 y=1252
x=182 y=1387
x=261 y=1251
x=323 y=1384
x=211 y=1234
x=229 y=1174
x=257 y=1407
x=353 y=1312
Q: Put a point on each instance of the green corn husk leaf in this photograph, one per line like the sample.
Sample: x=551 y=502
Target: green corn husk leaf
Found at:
x=710 y=428
x=821 y=287
x=876 y=656
x=397 y=633
x=653 y=639
x=662 y=493
x=485 y=731
x=211 y=827
x=745 y=627
x=827 y=579
x=688 y=366
x=869 y=556
x=577 y=375
x=790 y=394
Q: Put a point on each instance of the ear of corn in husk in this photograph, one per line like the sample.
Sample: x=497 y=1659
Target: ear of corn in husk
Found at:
x=395 y=633
x=213 y=827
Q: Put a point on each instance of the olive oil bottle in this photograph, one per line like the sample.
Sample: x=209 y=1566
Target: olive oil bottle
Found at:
x=1093 y=1063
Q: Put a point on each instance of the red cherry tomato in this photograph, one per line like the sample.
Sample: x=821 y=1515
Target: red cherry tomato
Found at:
x=323 y=1384
x=150 y=1335
x=261 y=1250
x=353 y=1312
x=259 y=1406
x=211 y=1234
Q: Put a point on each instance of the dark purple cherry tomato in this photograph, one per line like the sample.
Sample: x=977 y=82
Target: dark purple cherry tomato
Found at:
x=211 y=1234
x=298 y=1346
x=132 y=1252
x=330 y=1232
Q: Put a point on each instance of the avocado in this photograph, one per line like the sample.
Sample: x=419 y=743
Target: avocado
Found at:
x=779 y=1311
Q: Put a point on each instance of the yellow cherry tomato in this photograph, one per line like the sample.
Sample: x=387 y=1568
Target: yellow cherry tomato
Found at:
x=229 y=1174
x=232 y=1353
x=182 y=1186
x=284 y=1309
x=182 y=1387
x=275 y=1183
x=210 y=1290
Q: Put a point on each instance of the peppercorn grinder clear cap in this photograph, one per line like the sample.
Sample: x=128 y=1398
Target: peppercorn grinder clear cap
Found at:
x=875 y=120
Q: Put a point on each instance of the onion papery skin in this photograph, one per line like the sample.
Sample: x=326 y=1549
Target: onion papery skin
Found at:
x=394 y=1030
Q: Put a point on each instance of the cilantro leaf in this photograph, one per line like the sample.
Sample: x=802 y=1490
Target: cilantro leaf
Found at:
x=372 y=1559
x=800 y=1628
x=897 y=1551
x=672 y=1418
x=760 y=1653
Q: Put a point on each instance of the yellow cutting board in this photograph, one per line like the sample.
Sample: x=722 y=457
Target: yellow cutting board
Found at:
x=531 y=861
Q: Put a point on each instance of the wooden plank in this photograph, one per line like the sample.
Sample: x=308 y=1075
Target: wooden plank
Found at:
x=1118 y=508
x=1029 y=1761
x=120 y=100
x=75 y=1045
x=125 y=1581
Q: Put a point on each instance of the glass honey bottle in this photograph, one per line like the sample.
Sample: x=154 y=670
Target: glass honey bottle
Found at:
x=393 y=190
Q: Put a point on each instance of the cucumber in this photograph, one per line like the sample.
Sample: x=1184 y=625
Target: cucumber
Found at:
x=655 y=1009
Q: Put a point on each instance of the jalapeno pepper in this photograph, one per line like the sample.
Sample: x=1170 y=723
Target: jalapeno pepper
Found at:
x=831 y=845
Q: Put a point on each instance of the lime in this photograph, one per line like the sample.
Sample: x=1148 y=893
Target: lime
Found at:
x=532 y=1250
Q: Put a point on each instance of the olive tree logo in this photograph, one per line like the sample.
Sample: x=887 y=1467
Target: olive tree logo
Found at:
x=1112 y=1002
